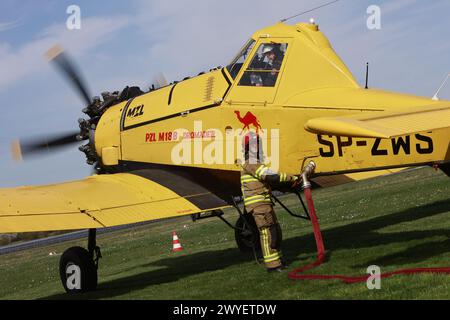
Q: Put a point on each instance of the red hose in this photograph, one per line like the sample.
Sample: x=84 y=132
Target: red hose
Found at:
x=295 y=274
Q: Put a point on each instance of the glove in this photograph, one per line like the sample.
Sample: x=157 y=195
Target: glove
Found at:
x=296 y=181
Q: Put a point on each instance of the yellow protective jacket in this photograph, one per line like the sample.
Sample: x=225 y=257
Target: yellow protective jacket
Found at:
x=256 y=182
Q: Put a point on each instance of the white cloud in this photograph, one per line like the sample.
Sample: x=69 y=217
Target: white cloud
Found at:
x=27 y=59
x=190 y=36
x=396 y=6
x=5 y=26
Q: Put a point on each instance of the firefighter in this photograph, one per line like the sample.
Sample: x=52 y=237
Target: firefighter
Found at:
x=256 y=182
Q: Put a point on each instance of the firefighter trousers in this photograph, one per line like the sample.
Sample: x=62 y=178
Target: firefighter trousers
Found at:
x=270 y=237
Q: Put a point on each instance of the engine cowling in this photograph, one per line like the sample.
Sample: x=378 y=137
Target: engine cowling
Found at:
x=102 y=129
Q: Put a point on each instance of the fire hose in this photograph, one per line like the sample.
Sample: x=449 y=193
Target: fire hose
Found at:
x=297 y=274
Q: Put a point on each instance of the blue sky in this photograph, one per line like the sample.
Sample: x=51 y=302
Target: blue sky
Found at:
x=128 y=42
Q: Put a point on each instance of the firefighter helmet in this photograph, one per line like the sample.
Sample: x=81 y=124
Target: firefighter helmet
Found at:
x=252 y=147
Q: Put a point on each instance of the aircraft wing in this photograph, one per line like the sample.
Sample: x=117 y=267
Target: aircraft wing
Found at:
x=103 y=201
x=384 y=124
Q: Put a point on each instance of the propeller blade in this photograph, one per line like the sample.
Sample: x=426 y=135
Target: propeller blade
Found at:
x=69 y=70
x=21 y=150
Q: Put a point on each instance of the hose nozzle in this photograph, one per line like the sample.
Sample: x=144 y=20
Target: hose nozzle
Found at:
x=307 y=172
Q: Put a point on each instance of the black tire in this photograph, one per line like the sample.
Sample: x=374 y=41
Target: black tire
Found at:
x=77 y=260
x=445 y=168
x=247 y=234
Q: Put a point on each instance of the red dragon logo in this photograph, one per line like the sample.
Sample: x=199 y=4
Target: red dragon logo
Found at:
x=247 y=120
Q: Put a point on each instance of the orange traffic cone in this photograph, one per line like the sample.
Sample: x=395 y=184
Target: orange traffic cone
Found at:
x=176 y=243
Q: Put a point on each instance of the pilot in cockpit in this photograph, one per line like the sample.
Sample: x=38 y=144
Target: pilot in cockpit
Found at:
x=271 y=58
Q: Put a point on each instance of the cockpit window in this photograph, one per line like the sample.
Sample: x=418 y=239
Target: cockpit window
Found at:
x=236 y=65
x=265 y=66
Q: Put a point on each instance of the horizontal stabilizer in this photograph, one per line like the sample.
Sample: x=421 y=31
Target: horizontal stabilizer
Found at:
x=384 y=124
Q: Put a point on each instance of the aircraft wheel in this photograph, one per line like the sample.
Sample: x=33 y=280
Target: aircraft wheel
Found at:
x=77 y=270
x=445 y=168
x=247 y=234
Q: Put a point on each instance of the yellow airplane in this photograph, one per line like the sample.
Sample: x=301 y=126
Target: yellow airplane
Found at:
x=174 y=150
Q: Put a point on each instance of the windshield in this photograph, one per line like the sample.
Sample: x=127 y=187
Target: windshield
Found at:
x=265 y=66
x=236 y=65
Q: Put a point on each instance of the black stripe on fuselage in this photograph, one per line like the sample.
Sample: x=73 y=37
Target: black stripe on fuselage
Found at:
x=179 y=114
x=228 y=81
x=123 y=128
x=171 y=92
x=124 y=112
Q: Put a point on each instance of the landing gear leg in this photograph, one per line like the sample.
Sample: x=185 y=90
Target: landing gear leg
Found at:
x=78 y=266
x=94 y=250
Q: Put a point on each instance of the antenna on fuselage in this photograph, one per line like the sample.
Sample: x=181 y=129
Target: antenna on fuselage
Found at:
x=367 y=76
x=310 y=10
x=435 y=97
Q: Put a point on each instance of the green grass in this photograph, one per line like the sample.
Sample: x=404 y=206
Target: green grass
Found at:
x=398 y=221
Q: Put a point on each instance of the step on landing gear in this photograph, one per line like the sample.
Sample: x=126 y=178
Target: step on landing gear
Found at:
x=78 y=266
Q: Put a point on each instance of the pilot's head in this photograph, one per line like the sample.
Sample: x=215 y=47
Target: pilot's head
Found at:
x=269 y=52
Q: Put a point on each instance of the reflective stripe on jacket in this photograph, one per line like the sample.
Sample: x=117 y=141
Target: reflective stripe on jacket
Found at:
x=256 y=180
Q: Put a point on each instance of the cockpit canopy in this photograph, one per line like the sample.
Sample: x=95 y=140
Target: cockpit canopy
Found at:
x=236 y=64
x=264 y=67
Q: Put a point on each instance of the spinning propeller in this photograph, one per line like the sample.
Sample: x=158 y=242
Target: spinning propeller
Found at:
x=28 y=147
x=95 y=107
